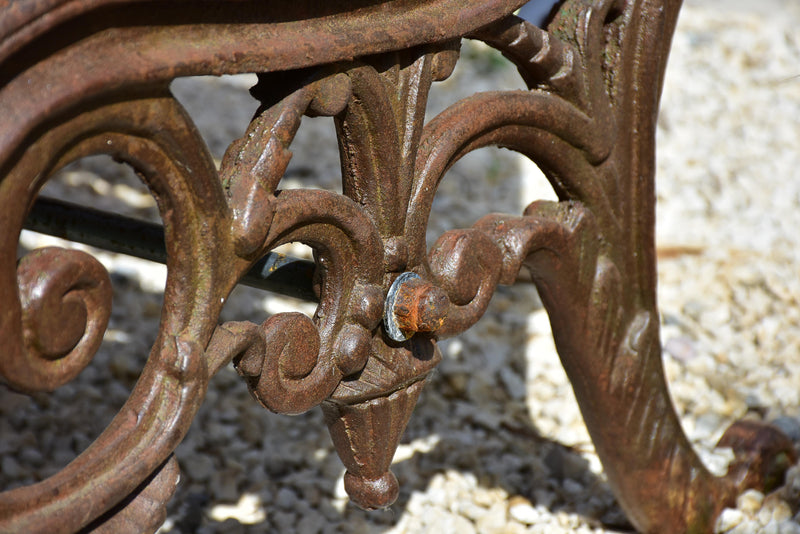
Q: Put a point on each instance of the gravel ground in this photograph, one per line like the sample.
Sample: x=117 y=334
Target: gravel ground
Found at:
x=496 y=444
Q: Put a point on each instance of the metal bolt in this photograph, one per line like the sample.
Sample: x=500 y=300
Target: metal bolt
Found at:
x=413 y=305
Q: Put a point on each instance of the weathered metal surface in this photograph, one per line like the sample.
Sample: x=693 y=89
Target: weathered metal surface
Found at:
x=85 y=77
x=413 y=306
x=64 y=316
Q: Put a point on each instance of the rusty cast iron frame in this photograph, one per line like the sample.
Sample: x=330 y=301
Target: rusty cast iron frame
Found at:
x=83 y=77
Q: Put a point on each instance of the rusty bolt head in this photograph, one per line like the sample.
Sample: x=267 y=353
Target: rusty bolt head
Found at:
x=414 y=305
x=420 y=307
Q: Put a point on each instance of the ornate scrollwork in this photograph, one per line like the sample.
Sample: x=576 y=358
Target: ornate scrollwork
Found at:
x=587 y=120
x=285 y=375
x=171 y=386
x=63 y=317
x=216 y=227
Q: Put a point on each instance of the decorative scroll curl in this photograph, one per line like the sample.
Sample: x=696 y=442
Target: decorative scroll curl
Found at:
x=467 y=265
x=293 y=363
x=64 y=316
x=122 y=461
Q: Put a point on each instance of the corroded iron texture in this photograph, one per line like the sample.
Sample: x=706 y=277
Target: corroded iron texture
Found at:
x=84 y=77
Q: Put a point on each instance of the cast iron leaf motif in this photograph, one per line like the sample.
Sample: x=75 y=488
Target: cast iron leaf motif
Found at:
x=588 y=120
x=596 y=275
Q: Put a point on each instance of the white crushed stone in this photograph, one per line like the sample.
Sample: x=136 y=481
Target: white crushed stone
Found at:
x=497 y=443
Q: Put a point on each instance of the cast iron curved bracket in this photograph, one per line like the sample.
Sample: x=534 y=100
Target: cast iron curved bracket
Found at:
x=84 y=77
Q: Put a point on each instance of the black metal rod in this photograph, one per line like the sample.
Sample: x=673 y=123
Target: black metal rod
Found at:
x=274 y=272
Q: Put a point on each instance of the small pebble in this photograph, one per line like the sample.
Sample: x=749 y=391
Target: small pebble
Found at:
x=286 y=498
x=781 y=511
x=789 y=426
x=10 y=467
x=572 y=487
x=750 y=501
x=312 y=523
x=728 y=519
x=494 y=519
x=681 y=348
x=198 y=466
x=285 y=521
x=524 y=513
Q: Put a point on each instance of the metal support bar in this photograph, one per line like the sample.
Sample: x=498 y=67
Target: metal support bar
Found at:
x=274 y=272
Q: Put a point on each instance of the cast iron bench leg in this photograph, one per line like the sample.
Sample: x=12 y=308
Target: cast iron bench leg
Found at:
x=82 y=78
